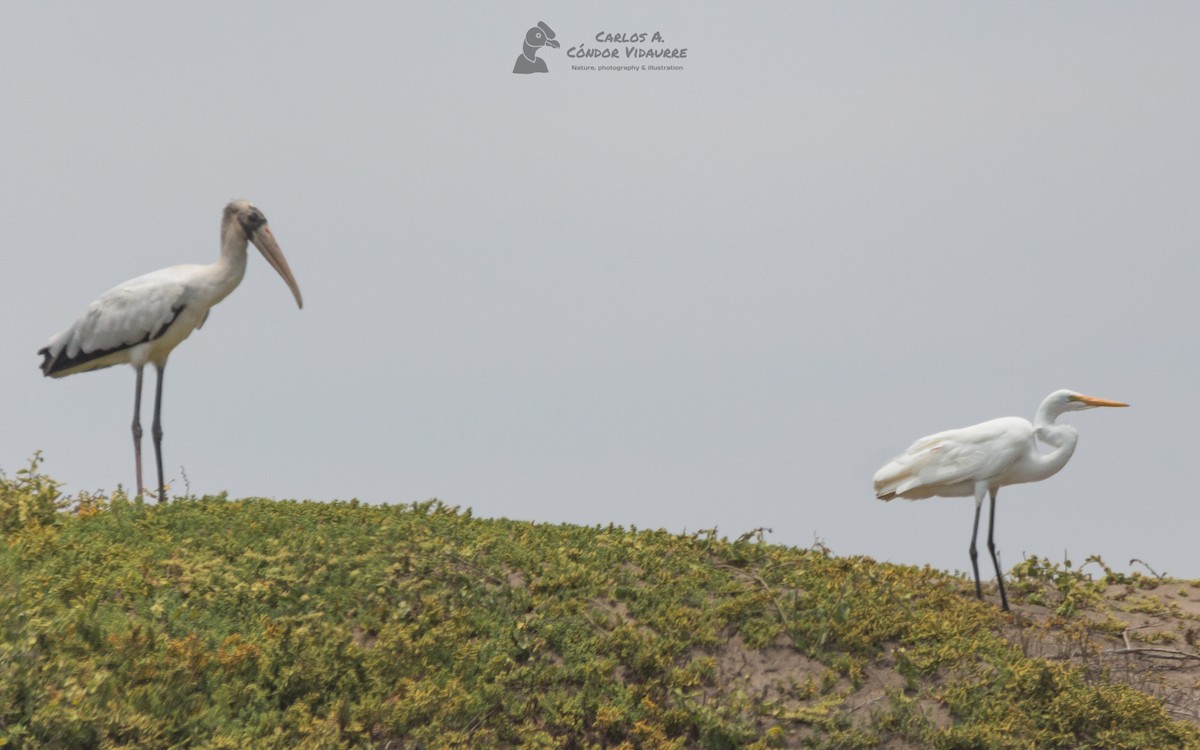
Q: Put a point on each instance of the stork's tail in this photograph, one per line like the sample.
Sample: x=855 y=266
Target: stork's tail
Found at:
x=48 y=360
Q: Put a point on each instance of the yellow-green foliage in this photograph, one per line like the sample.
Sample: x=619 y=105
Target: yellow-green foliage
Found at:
x=213 y=623
x=1072 y=588
x=29 y=500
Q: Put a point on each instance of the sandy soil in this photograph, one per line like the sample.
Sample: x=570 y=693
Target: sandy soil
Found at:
x=1145 y=636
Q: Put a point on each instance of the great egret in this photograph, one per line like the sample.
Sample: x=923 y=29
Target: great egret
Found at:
x=981 y=459
x=143 y=319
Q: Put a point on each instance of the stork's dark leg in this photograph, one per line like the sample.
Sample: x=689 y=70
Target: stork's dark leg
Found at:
x=992 y=549
x=974 y=552
x=156 y=431
x=137 y=431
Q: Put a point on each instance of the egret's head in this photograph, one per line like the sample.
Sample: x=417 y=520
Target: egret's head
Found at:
x=1072 y=401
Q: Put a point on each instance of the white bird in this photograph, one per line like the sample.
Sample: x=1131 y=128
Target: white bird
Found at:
x=142 y=320
x=981 y=459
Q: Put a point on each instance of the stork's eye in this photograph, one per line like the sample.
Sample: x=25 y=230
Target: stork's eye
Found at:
x=252 y=221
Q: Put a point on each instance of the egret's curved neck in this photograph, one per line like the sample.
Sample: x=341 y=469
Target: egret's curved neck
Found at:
x=1061 y=437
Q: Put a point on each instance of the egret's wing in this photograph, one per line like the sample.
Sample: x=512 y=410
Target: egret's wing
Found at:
x=950 y=462
x=132 y=313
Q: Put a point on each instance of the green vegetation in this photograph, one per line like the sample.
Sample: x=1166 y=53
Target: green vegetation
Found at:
x=214 y=623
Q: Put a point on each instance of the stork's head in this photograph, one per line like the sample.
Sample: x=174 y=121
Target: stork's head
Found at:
x=540 y=36
x=243 y=217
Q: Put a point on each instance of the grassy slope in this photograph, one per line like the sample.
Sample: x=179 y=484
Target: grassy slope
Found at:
x=215 y=623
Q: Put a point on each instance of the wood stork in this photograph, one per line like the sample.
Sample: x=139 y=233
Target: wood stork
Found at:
x=142 y=320
x=983 y=458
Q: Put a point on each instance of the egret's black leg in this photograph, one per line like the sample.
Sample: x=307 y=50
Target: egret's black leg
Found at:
x=156 y=431
x=137 y=430
x=992 y=549
x=974 y=553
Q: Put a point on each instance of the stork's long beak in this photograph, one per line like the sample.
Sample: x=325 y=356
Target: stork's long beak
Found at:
x=1093 y=401
x=264 y=240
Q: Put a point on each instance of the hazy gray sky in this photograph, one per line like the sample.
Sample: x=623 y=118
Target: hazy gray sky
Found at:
x=717 y=296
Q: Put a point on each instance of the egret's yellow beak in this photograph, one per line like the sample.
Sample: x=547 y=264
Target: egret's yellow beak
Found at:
x=1093 y=401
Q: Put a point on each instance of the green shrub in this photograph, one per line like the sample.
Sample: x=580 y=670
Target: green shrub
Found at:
x=212 y=623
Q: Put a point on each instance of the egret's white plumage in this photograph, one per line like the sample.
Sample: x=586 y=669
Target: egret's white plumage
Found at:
x=981 y=459
x=141 y=321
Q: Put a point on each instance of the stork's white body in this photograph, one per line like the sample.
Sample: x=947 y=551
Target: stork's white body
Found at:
x=141 y=321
